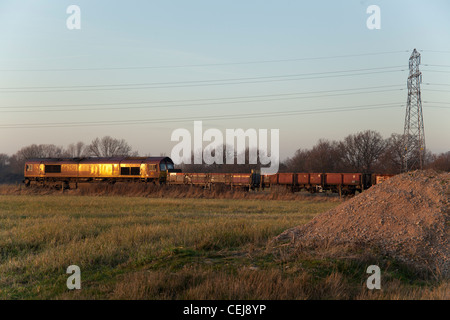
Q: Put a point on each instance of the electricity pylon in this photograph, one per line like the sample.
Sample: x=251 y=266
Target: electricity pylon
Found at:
x=414 y=134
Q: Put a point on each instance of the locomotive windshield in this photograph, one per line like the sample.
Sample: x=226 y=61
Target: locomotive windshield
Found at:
x=166 y=166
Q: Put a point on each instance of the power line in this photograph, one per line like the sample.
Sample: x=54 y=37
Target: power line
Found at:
x=437 y=65
x=201 y=81
x=435 y=51
x=433 y=105
x=436 y=90
x=203 y=117
x=433 y=102
x=437 y=84
x=208 y=64
x=207 y=104
x=440 y=71
x=195 y=100
x=332 y=74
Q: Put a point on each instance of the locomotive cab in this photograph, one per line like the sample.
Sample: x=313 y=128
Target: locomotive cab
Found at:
x=159 y=167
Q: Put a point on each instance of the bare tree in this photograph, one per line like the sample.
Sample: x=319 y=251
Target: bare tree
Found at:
x=362 y=150
x=109 y=147
x=40 y=151
x=299 y=162
x=6 y=174
x=222 y=154
x=324 y=157
x=76 y=150
x=4 y=160
x=391 y=159
x=17 y=161
x=440 y=162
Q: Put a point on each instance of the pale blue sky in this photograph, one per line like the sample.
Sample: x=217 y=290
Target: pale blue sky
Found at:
x=37 y=49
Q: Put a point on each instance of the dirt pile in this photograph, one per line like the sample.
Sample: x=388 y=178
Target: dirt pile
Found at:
x=406 y=217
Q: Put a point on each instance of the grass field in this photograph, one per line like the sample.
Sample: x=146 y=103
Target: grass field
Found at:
x=149 y=248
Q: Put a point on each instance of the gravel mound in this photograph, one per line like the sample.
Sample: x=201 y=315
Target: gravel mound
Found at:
x=406 y=217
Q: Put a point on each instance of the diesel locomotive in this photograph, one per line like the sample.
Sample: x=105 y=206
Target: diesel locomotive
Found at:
x=69 y=172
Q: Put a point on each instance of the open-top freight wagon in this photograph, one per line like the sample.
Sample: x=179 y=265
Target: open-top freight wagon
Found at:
x=342 y=183
x=209 y=180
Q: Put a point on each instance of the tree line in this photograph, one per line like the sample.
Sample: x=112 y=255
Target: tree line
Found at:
x=365 y=151
x=11 y=167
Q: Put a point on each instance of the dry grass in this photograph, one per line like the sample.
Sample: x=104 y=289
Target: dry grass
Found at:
x=170 y=191
x=171 y=248
x=200 y=284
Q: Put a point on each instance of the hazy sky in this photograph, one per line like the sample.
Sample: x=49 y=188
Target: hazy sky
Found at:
x=162 y=61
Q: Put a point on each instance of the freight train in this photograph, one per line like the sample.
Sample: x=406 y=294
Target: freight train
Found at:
x=68 y=173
